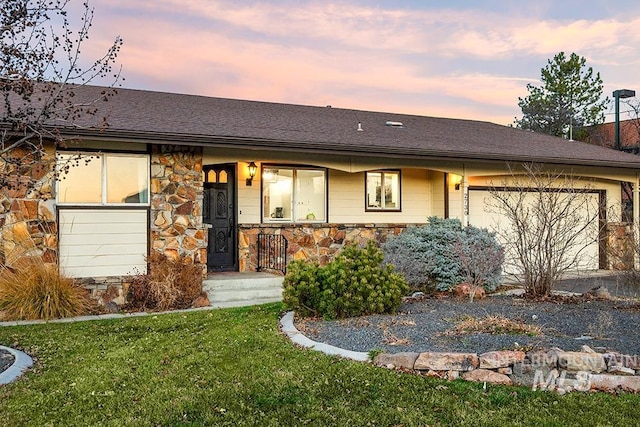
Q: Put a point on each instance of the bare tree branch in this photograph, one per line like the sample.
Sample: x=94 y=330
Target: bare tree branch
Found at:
x=550 y=220
x=42 y=72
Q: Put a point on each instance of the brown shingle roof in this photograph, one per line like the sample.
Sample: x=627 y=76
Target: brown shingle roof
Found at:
x=188 y=119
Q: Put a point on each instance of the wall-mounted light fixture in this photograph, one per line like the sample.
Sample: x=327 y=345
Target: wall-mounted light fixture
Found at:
x=457 y=180
x=252 y=172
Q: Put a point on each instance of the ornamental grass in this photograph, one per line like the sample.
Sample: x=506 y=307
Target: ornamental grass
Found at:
x=32 y=289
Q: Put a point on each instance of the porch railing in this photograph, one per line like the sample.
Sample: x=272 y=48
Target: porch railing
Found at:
x=272 y=252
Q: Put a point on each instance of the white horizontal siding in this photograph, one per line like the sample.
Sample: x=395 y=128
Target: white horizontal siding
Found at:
x=99 y=242
x=346 y=199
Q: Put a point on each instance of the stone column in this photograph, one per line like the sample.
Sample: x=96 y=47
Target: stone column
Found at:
x=176 y=191
x=27 y=209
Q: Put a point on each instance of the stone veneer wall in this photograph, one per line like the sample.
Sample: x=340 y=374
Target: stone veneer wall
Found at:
x=314 y=242
x=176 y=204
x=27 y=213
x=320 y=242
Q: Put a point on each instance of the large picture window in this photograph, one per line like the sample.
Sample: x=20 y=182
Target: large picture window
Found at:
x=382 y=190
x=103 y=179
x=294 y=194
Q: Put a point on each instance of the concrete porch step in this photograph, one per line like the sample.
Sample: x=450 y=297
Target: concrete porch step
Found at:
x=242 y=289
x=244 y=303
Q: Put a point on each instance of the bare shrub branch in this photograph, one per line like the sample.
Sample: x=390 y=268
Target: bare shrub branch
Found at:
x=549 y=217
x=41 y=70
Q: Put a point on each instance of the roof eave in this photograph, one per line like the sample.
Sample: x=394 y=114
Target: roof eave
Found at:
x=222 y=141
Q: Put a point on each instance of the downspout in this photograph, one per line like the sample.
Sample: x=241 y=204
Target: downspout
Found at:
x=446 y=195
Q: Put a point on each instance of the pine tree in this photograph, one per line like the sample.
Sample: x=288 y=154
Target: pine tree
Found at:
x=569 y=98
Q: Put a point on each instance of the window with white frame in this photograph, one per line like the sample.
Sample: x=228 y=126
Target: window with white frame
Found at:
x=103 y=179
x=382 y=191
x=294 y=194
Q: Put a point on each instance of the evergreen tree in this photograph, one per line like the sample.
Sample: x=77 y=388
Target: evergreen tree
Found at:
x=569 y=98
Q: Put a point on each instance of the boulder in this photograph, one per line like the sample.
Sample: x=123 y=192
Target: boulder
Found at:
x=485 y=375
x=599 y=292
x=577 y=361
x=464 y=290
x=528 y=374
x=612 y=383
x=500 y=359
x=201 y=301
x=447 y=361
x=403 y=360
x=626 y=360
x=620 y=370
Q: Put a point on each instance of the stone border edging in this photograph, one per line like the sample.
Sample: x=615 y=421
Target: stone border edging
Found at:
x=21 y=363
x=555 y=370
x=297 y=337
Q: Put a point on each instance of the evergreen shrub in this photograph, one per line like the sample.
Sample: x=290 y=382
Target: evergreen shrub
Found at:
x=355 y=283
x=443 y=254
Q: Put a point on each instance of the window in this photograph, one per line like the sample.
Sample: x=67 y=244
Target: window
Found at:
x=293 y=194
x=383 y=191
x=103 y=179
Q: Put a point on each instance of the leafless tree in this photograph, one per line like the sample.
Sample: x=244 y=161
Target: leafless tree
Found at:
x=41 y=70
x=549 y=220
x=42 y=74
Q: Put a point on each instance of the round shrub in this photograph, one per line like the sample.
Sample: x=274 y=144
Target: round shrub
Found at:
x=443 y=254
x=355 y=283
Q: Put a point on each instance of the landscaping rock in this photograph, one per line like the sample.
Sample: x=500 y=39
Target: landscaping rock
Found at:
x=612 y=383
x=111 y=307
x=543 y=358
x=620 y=370
x=452 y=375
x=112 y=296
x=628 y=361
x=544 y=380
x=201 y=301
x=599 y=292
x=500 y=359
x=485 y=375
x=464 y=290
x=564 y=384
x=447 y=361
x=587 y=349
x=526 y=373
x=576 y=361
x=397 y=360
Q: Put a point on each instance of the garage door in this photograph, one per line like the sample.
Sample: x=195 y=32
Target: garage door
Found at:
x=103 y=242
x=481 y=214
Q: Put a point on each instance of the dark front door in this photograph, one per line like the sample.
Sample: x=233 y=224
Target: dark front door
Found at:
x=219 y=211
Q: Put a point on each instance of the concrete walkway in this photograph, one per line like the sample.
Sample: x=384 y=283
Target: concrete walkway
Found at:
x=616 y=284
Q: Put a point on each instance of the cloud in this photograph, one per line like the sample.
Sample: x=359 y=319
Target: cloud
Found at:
x=424 y=61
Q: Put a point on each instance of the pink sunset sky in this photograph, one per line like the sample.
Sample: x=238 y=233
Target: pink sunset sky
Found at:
x=462 y=59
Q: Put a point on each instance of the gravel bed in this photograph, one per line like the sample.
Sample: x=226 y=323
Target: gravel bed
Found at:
x=6 y=360
x=422 y=326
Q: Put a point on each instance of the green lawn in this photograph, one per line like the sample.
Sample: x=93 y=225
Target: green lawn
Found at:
x=232 y=367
